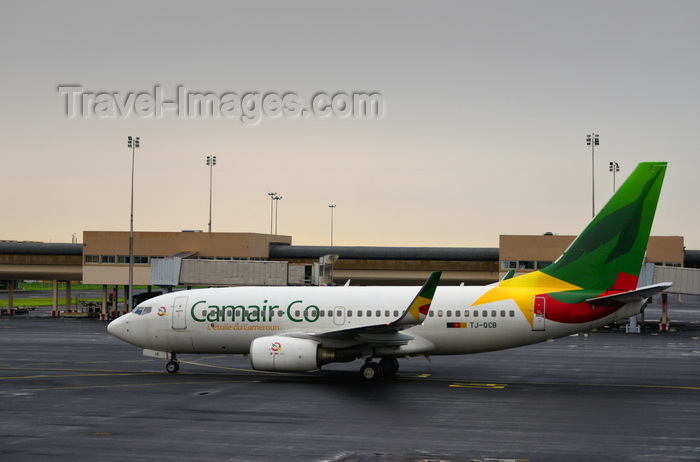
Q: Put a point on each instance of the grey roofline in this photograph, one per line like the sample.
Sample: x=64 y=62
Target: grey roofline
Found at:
x=385 y=253
x=39 y=248
x=692 y=257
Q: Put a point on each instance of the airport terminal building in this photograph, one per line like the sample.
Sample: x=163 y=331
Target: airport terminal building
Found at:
x=166 y=260
x=106 y=254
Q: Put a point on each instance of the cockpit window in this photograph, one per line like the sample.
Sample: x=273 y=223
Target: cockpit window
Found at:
x=140 y=310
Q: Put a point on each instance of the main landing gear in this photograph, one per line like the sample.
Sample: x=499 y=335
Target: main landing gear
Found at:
x=373 y=371
x=173 y=365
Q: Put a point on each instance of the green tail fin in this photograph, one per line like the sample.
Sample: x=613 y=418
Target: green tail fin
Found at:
x=610 y=251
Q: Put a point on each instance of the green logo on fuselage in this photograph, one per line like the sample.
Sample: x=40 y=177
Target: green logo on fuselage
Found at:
x=203 y=312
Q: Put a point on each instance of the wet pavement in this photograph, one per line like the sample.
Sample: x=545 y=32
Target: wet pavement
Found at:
x=70 y=391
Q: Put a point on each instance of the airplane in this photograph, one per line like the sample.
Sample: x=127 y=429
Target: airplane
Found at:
x=300 y=329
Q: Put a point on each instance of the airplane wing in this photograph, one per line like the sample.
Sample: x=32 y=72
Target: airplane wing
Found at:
x=386 y=334
x=630 y=296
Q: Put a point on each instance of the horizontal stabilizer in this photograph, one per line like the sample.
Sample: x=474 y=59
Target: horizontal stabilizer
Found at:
x=630 y=296
x=509 y=275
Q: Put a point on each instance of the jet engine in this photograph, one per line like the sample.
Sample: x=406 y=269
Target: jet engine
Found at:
x=288 y=354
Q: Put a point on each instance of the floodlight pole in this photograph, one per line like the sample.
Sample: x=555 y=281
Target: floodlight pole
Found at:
x=272 y=207
x=133 y=143
x=211 y=161
x=277 y=207
x=592 y=141
x=332 y=207
x=614 y=168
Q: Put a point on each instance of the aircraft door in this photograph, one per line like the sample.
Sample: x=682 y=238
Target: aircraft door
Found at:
x=180 y=313
x=339 y=315
x=538 y=312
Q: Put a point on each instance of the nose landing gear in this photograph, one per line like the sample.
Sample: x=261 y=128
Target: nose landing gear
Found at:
x=173 y=365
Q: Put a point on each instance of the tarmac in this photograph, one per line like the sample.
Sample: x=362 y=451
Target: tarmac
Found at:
x=70 y=391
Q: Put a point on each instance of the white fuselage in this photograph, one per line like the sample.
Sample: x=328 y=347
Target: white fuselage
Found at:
x=227 y=320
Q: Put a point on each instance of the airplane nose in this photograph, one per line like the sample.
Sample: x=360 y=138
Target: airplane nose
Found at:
x=116 y=327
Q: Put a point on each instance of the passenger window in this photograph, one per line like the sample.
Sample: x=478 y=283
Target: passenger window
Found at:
x=484 y=313
x=493 y=313
x=386 y=313
x=476 y=313
x=378 y=313
x=449 y=313
x=431 y=313
x=439 y=313
x=396 y=313
x=503 y=313
x=359 y=313
x=369 y=313
x=296 y=314
x=512 y=313
x=280 y=314
x=466 y=313
x=349 y=313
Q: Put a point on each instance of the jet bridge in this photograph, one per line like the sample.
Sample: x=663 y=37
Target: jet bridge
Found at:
x=180 y=270
x=685 y=281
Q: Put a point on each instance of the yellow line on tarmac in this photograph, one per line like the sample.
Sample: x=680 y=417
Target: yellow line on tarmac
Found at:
x=492 y=386
x=124 y=385
x=568 y=384
x=610 y=385
x=54 y=376
x=234 y=368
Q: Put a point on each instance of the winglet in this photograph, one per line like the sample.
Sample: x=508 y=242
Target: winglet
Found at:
x=418 y=310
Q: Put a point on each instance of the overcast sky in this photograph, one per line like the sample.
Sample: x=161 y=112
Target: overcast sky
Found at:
x=485 y=111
